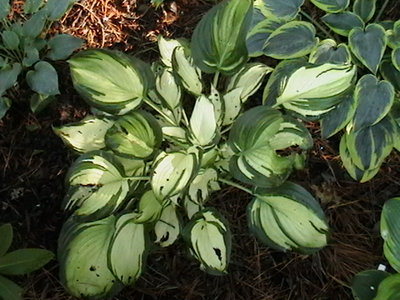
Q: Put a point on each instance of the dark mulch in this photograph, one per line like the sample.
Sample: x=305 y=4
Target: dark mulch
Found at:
x=33 y=163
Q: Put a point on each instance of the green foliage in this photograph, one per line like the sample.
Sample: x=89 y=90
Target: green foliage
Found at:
x=17 y=262
x=24 y=50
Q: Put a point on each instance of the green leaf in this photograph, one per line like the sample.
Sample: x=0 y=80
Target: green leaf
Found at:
x=169 y=90
x=172 y=173
x=280 y=44
x=203 y=124
x=285 y=10
x=34 y=26
x=6 y=238
x=32 y=6
x=62 y=46
x=149 y=208
x=9 y=76
x=10 y=290
x=393 y=35
x=255 y=137
x=390 y=73
x=389 y=289
x=374 y=99
x=39 y=102
x=4 y=9
x=167 y=47
x=10 y=39
x=57 y=8
x=390 y=230
x=136 y=134
x=24 y=261
x=82 y=253
x=110 y=81
x=44 y=79
x=368 y=45
x=365 y=284
x=168 y=227
x=31 y=56
x=232 y=104
x=396 y=58
x=96 y=185
x=128 y=249
x=219 y=39
x=328 y=51
x=209 y=238
x=342 y=23
x=86 y=135
x=365 y=9
x=331 y=6
x=5 y=104
x=288 y=218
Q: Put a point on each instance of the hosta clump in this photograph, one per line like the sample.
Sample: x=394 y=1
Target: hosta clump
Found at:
x=164 y=137
x=367 y=53
x=24 y=49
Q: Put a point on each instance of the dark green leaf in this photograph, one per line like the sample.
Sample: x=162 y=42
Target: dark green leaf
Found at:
x=31 y=56
x=393 y=35
x=9 y=290
x=4 y=8
x=390 y=73
x=292 y=40
x=32 y=6
x=389 y=289
x=285 y=10
x=368 y=45
x=10 y=39
x=8 y=77
x=6 y=238
x=331 y=6
x=24 y=261
x=365 y=284
x=396 y=58
x=35 y=25
x=44 y=79
x=38 y=102
x=5 y=104
x=342 y=23
x=328 y=52
x=62 y=46
x=390 y=231
x=57 y=8
x=365 y=9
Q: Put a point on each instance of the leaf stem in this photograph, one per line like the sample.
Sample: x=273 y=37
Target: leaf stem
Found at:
x=320 y=27
x=236 y=185
x=216 y=78
x=379 y=15
x=158 y=110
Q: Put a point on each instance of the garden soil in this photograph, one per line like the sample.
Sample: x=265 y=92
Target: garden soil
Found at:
x=34 y=162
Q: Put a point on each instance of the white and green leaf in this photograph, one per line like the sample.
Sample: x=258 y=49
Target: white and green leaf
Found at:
x=168 y=227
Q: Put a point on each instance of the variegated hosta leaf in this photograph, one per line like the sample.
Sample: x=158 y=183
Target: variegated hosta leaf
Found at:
x=96 y=184
x=203 y=125
x=189 y=74
x=82 y=253
x=175 y=133
x=390 y=231
x=249 y=79
x=202 y=185
x=393 y=35
x=288 y=218
x=255 y=138
x=172 y=173
x=219 y=105
x=281 y=9
x=365 y=9
x=191 y=207
x=389 y=288
x=342 y=23
x=374 y=99
x=136 y=134
x=209 y=238
x=328 y=51
x=150 y=208
x=132 y=168
x=219 y=39
x=332 y=6
x=110 y=81
x=368 y=45
x=396 y=58
x=232 y=104
x=128 y=249
x=390 y=73
x=168 y=227
x=291 y=40
x=167 y=47
x=365 y=284
x=168 y=89
x=86 y=135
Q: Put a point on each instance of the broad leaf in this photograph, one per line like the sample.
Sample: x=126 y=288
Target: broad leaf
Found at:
x=390 y=232
x=365 y=284
x=219 y=39
x=44 y=79
x=209 y=238
x=393 y=35
x=368 y=45
x=24 y=261
x=38 y=102
x=57 y=8
x=203 y=124
x=10 y=290
x=110 y=81
x=288 y=218
x=331 y=6
x=10 y=39
x=62 y=46
x=365 y=9
x=31 y=56
x=5 y=104
x=149 y=208
x=167 y=47
x=34 y=26
x=292 y=40
x=136 y=134
x=4 y=9
x=396 y=58
x=82 y=253
x=389 y=289
x=374 y=99
x=342 y=23
x=32 y=6
x=168 y=89
x=8 y=76
x=390 y=73
x=202 y=185
x=6 y=238
x=232 y=104
x=279 y=9
x=328 y=51
x=128 y=249
x=86 y=135
x=167 y=228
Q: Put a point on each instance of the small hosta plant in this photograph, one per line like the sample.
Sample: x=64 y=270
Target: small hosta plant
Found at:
x=25 y=50
x=17 y=262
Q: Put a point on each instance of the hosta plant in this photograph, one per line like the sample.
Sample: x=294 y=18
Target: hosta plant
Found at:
x=162 y=139
x=26 y=51
x=17 y=262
